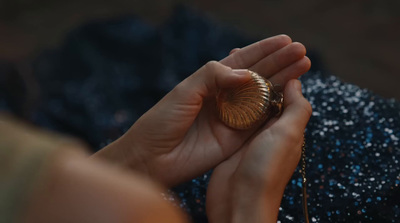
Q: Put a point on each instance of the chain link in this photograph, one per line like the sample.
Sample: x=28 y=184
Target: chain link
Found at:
x=304 y=183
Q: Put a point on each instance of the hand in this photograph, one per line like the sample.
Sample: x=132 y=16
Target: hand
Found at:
x=181 y=136
x=248 y=186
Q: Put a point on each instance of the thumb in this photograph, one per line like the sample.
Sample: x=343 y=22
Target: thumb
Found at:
x=208 y=79
x=177 y=111
x=186 y=99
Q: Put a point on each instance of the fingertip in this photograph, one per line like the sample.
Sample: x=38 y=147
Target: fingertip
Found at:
x=299 y=49
x=292 y=92
x=303 y=66
x=308 y=62
x=285 y=38
x=281 y=41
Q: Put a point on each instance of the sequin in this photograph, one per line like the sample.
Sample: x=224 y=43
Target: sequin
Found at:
x=90 y=82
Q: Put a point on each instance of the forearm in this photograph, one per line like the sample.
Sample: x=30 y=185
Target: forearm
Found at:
x=76 y=189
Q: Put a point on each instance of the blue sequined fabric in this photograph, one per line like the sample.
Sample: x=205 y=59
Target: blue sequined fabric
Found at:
x=108 y=73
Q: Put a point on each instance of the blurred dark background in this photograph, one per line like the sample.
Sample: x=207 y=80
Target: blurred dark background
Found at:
x=358 y=41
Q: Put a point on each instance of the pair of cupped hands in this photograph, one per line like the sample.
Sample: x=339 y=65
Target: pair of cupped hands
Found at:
x=181 y=137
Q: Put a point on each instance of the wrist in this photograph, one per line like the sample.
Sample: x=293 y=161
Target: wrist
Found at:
x=256 y=207
x=123 y=152
x=256 y=198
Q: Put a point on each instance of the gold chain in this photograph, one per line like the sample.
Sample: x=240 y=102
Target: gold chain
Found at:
x=304 y=182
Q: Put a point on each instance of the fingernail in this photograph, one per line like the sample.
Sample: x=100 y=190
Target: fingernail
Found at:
x=241 y=71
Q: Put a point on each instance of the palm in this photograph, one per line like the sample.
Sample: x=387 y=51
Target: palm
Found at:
x=217 y=140
x=206 y=143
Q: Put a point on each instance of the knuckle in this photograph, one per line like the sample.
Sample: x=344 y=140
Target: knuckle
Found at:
x=239 y=60
x=180 y=89
x=214 y=70
x=234 y=51
x=212 y=66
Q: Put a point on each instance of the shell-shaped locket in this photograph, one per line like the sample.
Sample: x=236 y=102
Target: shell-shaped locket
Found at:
x=249 y=104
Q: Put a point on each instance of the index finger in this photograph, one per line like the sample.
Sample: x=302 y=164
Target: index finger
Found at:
x=251 y=54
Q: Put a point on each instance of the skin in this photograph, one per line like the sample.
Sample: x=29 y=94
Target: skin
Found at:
x=69 y=187
x=251 y=182
x=76 y=189
x=165 y=142
x=180 y=138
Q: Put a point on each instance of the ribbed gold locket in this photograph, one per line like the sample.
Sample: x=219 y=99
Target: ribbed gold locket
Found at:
x=249 y=104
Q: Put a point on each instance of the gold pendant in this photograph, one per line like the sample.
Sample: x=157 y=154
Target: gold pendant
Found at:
x=250 y=104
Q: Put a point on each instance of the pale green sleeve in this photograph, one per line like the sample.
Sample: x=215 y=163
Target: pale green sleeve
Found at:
x=20 y=173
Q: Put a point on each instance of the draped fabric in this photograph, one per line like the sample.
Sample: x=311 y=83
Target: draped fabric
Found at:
x=108 y=73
